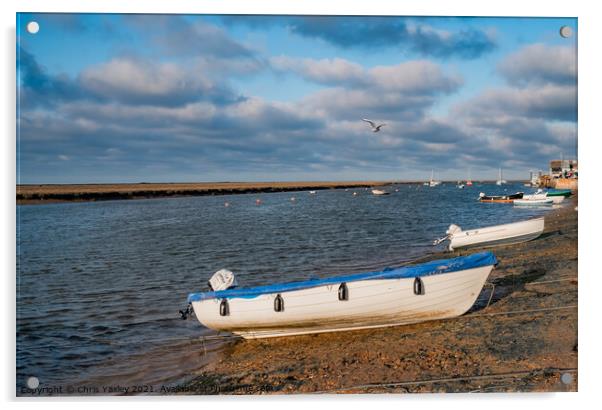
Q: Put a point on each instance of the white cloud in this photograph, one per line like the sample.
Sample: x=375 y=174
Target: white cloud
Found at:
x=541 y=64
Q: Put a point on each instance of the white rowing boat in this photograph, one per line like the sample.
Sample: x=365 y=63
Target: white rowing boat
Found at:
x=540 y=195
x=533 y=201
x=429 y=291
x=492 y=235
x=379 y=192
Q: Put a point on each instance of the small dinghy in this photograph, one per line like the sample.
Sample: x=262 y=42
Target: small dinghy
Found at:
x=500 y=198
x=533 y=201
x=492 y=235
x=395 y=296
x=542 y=195
x=560 y=192
x=379 y=192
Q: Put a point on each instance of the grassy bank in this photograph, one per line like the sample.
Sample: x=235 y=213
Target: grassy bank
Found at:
x=521 y=335
x=32 y=194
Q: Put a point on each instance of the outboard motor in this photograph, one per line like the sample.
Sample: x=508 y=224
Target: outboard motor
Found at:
x=221 y=280
x=453 y=228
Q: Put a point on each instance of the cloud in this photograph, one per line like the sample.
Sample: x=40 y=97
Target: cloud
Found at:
x=373 y=33
x=549 y=102
x=399 y=92
x=325 y=71
x=381 y=32
x=531 y=118
x=411 y=77
x=178 y=36
x=127 y=80
x=37 y=86
x=539 y=64
x=138 y=81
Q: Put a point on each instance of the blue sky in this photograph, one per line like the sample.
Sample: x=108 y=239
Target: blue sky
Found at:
x=162 y=98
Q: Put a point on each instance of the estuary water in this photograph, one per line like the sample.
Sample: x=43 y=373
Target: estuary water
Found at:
x=99 y=284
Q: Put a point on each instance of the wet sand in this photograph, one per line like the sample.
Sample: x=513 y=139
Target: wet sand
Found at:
x=520 y=337
x=36 y=194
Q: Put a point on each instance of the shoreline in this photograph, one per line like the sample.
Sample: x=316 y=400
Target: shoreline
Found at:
x=49 y=193
x=33 y=194
x=521 y=335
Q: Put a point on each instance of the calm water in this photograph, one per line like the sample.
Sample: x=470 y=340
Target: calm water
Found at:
x=100 y=284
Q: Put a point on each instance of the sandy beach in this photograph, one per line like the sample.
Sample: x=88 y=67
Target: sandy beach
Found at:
x=521 y=335
x=36 y=194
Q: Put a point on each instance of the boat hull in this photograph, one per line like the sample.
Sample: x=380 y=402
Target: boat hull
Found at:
x=561 y=192
x=371 y=303
x=501 y=198
x=498 y=235
x=533 y=202
x=557 y=199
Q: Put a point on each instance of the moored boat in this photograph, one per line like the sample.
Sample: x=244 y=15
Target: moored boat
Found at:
x=394 y=296
x=500 y=179
x=432 y=183
x=533 y=202
x=541 y=195
x=379 y=192
x=560 y=192
x=500 y=198
x=490 y=236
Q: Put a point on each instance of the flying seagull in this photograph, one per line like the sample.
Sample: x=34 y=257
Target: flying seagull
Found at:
x=375 y=128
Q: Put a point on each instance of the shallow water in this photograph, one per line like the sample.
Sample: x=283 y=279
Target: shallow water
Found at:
x=99 y=284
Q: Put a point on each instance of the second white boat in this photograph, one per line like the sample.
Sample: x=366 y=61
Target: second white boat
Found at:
x=493 y=235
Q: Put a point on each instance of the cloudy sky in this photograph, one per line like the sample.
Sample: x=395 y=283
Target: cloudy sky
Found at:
x=169 y=98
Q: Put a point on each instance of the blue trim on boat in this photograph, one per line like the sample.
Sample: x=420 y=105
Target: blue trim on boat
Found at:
x=476 y=260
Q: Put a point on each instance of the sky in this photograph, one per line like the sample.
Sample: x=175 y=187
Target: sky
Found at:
x=108 y=98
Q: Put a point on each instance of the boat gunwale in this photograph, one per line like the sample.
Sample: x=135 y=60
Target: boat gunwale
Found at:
x=431 y=268
x=473 y=231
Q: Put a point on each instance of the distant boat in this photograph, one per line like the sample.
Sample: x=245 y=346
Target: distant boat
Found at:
x=500 y=198
x=469 y=180
x=492 y=235
x=433 y=290
x=432 y=182
x=312 y=192
x=560 y=192
x=533 y=202
x=541 y=195
x=500 y=180
x=379 y=192
x=461 y=186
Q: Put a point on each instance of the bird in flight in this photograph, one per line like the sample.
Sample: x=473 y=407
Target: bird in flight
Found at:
x=375 y=128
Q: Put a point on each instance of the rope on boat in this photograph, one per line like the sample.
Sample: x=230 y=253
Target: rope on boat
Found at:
x=454 y=379
x=438 y=241
x=491 y=294
x=184 y=314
